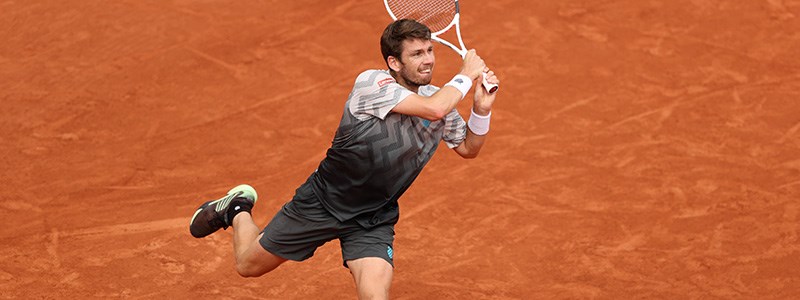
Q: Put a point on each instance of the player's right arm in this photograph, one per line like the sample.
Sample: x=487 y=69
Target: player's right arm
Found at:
x=438 y=105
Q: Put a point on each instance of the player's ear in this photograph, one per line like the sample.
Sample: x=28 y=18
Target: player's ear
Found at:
x=393 y=63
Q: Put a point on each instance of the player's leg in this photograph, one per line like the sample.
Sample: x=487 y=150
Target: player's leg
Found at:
x=234 y=210
x=294 y=233
x=252 y=259
x=369 y=255
x=373 y=277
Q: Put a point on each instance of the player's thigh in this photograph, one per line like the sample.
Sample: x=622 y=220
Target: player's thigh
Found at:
x=373 y=277
x=369 y=255
x=256 y=260
x=299 y=228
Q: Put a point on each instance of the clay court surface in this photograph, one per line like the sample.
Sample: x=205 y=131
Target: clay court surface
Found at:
x=639 y=149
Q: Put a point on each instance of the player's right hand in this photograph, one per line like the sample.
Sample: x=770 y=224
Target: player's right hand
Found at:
x=473 y=65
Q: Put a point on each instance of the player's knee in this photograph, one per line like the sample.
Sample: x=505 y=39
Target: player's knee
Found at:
x=374 y=295
x=373 y=291
x=249 y=270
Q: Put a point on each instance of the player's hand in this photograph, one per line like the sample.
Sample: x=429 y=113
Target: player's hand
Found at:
x=473 y=65
x=483 y=100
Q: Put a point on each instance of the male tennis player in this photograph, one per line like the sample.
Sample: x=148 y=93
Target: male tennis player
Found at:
x=392 y=124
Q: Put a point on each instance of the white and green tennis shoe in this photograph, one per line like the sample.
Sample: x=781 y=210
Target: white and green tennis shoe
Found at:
x=213 y=215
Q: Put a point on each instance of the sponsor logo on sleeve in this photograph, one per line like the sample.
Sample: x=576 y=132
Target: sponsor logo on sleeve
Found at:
x=385 y=82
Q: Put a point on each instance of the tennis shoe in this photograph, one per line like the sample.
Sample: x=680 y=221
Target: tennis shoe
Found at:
x=213 y=215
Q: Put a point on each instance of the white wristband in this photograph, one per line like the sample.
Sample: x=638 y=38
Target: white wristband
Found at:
x=461 y=82
x=479 y=124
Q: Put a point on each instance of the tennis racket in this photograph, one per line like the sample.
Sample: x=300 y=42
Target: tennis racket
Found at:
x=439 y=16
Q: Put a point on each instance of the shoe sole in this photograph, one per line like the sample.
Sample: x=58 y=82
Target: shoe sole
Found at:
x=247 y=191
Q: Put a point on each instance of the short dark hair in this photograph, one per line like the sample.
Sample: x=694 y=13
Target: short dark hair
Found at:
x=399 y=31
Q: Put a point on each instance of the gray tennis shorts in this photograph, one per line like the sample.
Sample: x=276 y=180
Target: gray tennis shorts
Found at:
x=303 y=224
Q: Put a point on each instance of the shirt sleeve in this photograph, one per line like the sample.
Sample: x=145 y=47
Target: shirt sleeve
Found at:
x=455 y=129
x=375 y=94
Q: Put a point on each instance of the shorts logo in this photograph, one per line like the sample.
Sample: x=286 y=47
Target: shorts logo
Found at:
x=385 y=82
x=390 y=252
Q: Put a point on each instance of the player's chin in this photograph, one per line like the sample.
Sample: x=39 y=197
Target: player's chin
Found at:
x=424 y=79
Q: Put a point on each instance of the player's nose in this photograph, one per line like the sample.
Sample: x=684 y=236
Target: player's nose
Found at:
x=429 y=58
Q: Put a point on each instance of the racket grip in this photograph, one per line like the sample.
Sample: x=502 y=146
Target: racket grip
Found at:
x=490 y=87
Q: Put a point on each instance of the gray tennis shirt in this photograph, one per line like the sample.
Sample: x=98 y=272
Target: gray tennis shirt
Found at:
x=376 y=154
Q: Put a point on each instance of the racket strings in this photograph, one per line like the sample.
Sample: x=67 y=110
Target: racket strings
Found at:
x=436 y=14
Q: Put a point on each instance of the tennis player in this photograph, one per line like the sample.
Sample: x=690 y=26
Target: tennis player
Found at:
x=393 y=122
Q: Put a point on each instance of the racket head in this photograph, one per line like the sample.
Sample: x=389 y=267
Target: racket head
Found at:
x=438 y=15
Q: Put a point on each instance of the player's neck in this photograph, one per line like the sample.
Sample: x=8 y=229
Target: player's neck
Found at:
x=402 y=81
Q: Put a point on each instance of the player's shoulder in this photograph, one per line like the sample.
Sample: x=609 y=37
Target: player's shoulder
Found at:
x=374 y=77
x=374 y=73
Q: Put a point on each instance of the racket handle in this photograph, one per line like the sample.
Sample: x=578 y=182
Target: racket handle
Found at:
x=490 y=87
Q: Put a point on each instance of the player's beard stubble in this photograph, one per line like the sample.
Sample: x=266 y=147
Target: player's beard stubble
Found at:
x=415 y=77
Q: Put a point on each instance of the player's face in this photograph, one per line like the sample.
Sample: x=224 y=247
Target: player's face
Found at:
x=417 y=62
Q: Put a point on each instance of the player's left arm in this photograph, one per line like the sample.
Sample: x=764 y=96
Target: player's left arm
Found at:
x=478 y=125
